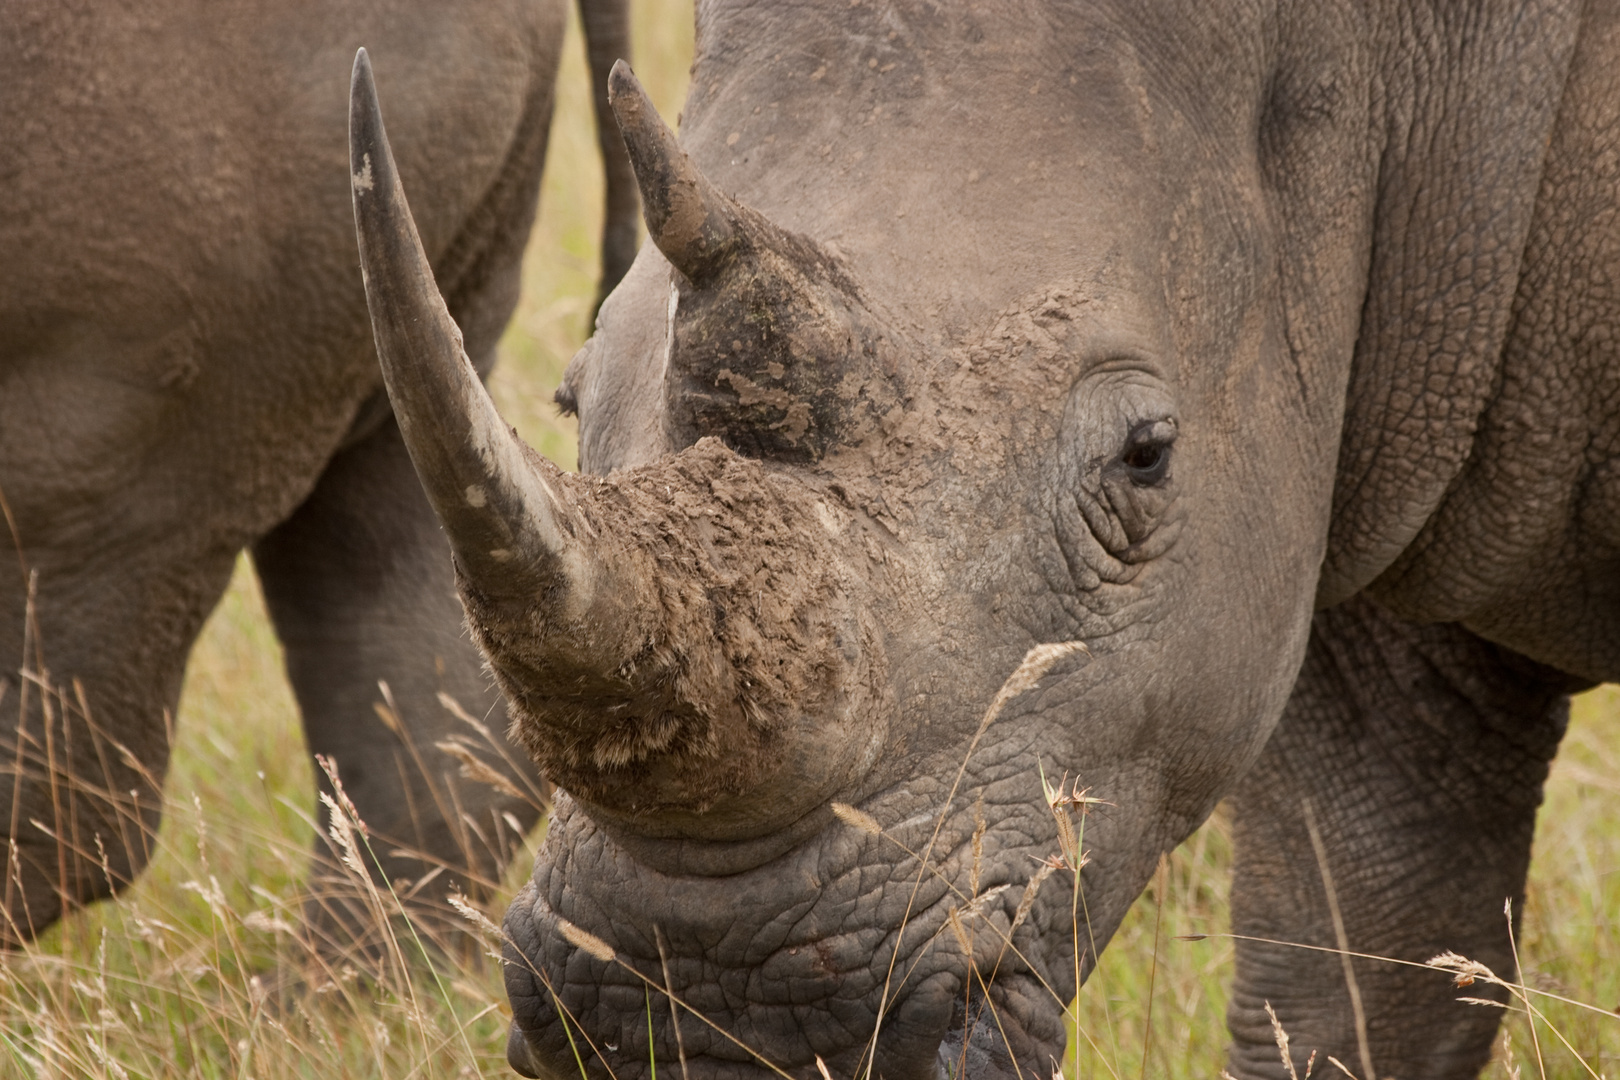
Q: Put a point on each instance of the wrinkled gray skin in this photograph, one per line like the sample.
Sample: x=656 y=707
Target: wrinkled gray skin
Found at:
x=1265 y=348
x=186 y=370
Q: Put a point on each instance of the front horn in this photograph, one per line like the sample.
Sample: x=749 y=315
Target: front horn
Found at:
x=511 y=534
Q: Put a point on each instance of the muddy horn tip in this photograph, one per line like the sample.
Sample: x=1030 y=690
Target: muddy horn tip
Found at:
x=621 y=80
x=638 y=119
x=686 y=217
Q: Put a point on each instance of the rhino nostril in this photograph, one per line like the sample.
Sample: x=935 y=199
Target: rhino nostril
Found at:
x=911 y=1030
x=973 y=1048
x=993 y=1035
x=517 y=1053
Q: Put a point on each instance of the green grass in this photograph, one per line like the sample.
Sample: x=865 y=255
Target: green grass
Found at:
x=161 y=982
x=1571 y=935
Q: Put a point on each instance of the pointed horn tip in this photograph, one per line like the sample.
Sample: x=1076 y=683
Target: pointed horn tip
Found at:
x=621 y=80
x=368 y=143
x=362 y=89
x=360 y=74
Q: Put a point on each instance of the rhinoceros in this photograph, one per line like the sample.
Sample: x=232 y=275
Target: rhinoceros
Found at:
x=1029 y=424
x=186 y=370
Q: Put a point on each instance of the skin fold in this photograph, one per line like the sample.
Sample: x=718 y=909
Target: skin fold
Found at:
x=186 y=372
x=1248 y=363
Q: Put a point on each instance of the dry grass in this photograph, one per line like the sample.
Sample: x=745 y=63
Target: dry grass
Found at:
x=162 y=982
x=176 y=977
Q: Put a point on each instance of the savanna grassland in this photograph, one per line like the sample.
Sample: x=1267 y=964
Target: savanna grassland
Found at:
x=173 y=978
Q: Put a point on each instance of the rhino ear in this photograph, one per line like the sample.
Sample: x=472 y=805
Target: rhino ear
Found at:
x=693 y=223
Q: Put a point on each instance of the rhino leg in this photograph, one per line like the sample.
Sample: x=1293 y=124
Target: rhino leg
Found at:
x=81 y=772
x=359 y=584
x=93 y=643
x=1423 y=751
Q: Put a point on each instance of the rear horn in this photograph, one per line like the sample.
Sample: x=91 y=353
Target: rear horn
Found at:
x=692 y=222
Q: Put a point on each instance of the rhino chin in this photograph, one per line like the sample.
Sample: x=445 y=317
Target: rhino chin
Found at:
x=597 y=935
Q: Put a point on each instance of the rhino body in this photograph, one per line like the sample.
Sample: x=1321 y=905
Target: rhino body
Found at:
x=186 y=370
x=1062 y=416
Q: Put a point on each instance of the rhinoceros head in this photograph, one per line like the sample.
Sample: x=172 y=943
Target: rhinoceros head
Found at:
x=949 y=548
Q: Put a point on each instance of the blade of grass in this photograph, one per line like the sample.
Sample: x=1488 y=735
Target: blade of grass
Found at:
x=1363 y=1046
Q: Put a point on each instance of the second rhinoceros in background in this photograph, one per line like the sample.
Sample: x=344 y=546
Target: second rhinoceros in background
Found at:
x=186 y=370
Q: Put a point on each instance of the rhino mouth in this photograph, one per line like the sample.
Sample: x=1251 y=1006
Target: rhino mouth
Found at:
x=800 y=959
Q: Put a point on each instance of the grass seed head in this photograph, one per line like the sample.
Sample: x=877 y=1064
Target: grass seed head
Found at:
x=960 y=932
x=1463 y=970
x=979 y=826
x=1067 y=841
x=477 y=770
x=857 y=819
x=1037 y=662
x=476 y=917
x=1281 y=1036
x=586 y=942
x=1027 y=901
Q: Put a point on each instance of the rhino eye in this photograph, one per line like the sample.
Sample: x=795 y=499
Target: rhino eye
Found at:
x=1146 y=456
